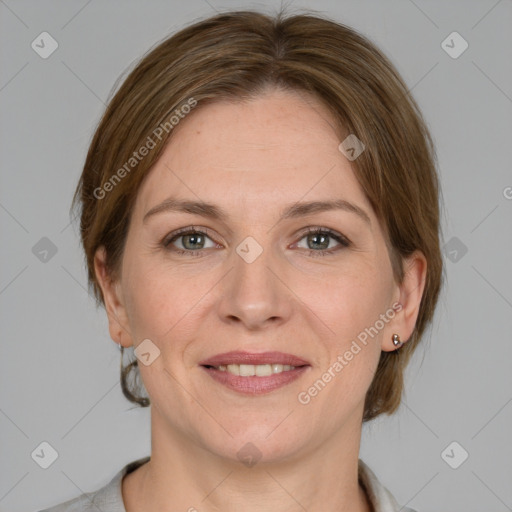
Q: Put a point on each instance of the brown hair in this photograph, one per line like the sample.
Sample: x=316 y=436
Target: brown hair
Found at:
x=234 y=56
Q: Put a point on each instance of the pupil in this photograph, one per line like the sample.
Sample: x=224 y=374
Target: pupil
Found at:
x=324 y=237
x=192 y=238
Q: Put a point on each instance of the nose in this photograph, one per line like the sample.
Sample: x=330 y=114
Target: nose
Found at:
x=255 y=294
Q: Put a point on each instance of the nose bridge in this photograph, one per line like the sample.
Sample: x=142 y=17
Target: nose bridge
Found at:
x=252 y=292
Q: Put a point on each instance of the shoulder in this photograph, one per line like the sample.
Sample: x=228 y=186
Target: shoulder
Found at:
x=83 y=503
x=380 y=497
x=107 y=499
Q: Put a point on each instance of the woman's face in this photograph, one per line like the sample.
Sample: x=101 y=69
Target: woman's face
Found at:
x=252 y=280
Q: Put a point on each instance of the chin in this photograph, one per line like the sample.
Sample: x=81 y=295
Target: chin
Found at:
x=259 y=443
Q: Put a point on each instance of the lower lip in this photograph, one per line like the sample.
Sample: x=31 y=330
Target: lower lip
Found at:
x=255 y=385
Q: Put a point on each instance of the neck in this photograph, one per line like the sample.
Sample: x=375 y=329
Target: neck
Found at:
x=181 y=475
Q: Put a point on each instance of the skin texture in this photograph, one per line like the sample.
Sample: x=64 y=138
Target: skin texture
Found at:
x=253 y=159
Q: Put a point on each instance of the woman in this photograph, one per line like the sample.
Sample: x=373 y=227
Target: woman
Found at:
x=260 y=218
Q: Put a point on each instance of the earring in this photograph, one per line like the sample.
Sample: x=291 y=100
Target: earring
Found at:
x=396 y=341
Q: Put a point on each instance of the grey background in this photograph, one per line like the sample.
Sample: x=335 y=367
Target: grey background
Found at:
x=59 y=370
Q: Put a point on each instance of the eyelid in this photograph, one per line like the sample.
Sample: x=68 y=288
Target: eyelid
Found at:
x=185 y=231
x=332 y=232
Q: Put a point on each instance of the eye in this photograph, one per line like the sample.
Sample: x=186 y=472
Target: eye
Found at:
x=188 y=241
x=191 y=241
x=320 y=239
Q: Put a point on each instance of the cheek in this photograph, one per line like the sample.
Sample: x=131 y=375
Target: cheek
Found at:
x=349 y=302
x=160 y=301
x=353 y=347
x=351 y=306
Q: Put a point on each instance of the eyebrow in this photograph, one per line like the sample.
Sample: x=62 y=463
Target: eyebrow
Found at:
x=295 y=210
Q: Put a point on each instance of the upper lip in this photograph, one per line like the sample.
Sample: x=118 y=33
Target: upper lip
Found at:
x=239 y=357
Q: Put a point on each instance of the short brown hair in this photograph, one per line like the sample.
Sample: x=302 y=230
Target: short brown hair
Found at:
x=235 y=56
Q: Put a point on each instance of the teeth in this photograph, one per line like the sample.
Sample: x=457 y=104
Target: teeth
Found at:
x=258 y=370
x=234 y=369
x=263 y=370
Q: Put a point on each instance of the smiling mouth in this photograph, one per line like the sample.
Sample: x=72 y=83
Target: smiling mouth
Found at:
x=254 y=379
x=254 y=373
x=254 y=370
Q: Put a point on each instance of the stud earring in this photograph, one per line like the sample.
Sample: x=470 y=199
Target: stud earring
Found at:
x=396 y=341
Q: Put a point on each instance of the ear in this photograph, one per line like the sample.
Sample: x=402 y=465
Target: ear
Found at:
x=409 y=294
x=114 y=303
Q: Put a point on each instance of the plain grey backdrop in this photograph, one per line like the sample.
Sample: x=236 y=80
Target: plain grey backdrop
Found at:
x=449 y=446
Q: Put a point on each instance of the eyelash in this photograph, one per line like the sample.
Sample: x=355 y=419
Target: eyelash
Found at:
x=192 y=230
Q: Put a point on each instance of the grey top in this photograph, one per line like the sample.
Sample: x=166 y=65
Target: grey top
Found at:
x=110 y=499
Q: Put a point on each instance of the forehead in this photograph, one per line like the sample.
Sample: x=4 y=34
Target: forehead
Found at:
x=280 y=147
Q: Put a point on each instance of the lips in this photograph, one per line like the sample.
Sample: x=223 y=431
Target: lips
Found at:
x=254 y=374
x=238 y=357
